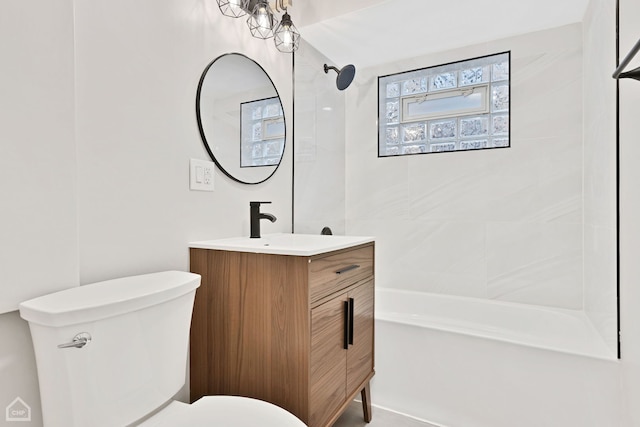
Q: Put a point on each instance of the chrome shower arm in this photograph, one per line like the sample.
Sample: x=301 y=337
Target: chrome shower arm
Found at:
x=634 y=74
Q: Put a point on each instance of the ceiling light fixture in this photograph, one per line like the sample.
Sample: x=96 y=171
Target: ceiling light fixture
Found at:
x=232 y=8
x=286 y=35
x=262 y=21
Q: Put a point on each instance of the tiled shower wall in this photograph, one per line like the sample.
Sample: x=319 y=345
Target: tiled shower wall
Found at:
x=521 y=224
x=498 y=224
x=319 y=198
x=600 y=249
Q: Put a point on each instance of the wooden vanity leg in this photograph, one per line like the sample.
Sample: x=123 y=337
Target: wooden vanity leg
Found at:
x=365 y=394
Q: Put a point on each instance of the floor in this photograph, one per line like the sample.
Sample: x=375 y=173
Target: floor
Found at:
x=352 y=417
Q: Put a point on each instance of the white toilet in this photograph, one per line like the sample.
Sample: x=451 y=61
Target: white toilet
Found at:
x=114 y=353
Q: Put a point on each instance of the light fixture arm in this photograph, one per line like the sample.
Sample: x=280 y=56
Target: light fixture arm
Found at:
x=281 y=5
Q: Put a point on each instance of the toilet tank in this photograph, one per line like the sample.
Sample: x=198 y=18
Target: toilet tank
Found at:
x=137 y=356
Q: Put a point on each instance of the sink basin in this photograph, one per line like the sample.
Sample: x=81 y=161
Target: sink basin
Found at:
x=284 y=244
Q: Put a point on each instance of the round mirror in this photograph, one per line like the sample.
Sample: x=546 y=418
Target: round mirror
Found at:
x=240 y=118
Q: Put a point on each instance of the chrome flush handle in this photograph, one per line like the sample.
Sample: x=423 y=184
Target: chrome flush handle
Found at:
x=79 y=341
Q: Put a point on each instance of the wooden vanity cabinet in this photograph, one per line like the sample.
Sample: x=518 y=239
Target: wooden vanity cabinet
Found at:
x=296 y=331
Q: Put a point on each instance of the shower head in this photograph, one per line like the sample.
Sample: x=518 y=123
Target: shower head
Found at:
x=345 y=75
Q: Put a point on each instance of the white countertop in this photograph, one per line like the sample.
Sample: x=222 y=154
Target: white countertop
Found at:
x=284 y=244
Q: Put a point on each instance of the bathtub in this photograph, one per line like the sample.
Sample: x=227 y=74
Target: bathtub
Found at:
x=465 y=362
x=554 y=329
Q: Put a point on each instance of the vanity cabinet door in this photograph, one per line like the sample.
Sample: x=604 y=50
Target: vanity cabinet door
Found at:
x=341 y=350
x=328 y=360
x=360 y=354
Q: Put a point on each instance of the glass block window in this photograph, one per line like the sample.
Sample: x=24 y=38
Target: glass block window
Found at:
x=262 y=132
x=452 y=107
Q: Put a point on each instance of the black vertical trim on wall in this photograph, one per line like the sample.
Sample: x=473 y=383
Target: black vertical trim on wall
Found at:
x=293 y=140
x=618 y=178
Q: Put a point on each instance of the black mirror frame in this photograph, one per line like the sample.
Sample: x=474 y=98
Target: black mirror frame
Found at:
x=201 y=129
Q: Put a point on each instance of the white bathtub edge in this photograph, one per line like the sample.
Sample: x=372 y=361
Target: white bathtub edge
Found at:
x=593 y=347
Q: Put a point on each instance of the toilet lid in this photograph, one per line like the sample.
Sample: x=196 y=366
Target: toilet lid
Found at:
x=223 y=411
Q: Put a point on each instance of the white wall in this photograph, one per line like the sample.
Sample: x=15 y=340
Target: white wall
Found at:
x=502 y=224
x=138 y=65
x=107 y=195
x=38 y=222
x=37 y=152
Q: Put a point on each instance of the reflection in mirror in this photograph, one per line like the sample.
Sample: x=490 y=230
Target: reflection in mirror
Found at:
x=262 y=133
x=240 y=118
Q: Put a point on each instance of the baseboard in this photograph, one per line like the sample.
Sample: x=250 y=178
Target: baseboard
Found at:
x=403 y=414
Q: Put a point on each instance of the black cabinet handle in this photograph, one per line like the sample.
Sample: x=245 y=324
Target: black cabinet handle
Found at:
x=349 y=268
x=347 y=321
x=351 y=310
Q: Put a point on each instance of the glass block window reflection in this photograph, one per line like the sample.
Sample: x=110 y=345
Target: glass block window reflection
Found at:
x=262 y=132
x=452 y=107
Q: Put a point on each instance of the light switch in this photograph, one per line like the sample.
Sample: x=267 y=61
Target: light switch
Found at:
x=201 y=175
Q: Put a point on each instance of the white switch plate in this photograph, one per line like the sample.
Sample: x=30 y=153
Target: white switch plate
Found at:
x=201 y=175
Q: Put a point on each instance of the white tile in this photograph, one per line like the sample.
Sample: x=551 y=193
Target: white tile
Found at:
x=442 y=257
x=536 y=263
x=377 y=192
x=600 y=277
x=449 y=186
x=537 y=180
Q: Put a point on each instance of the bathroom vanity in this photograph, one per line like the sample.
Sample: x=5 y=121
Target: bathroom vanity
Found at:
x=286 y=318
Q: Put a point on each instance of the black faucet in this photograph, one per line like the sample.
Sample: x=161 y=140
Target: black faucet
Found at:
x=256 y=216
